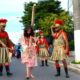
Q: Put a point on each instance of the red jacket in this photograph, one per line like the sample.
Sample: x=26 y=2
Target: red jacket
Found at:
x=4 y=35
x=42 y=42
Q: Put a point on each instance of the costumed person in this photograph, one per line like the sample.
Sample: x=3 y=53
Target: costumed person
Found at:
x=50 y=50
x=18 y=51
x=5 y=47
x=29 y=56
x=43 y=49
x=60 y=46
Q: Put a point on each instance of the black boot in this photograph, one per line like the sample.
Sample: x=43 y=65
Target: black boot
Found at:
x=58 y=72
x=1 y=69
x=42 y=63
x=66 y=72
x=46 y=63
x=8 y=71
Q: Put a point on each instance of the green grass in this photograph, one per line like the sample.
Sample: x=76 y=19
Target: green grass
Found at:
x=74 y=62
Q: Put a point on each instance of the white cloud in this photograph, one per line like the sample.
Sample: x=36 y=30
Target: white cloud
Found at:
x=13 y=24
x=11 y=6
x=13 y=19
x=15 y=36
x=64 y=5
x=9 y=18
x=31 y=0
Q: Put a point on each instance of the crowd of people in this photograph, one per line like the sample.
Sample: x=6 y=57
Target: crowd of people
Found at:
x=31 y=46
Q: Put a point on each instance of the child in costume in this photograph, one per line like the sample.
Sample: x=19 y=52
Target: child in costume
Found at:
x=43 y=49
x=60 y=47
x=5 y=46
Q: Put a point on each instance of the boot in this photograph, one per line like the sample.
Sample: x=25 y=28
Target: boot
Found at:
x=66 y=72
x=58 y=72
x=46 y=63
x=8 y=71
x=1 y=69
x=27 y=78
x=42 y=63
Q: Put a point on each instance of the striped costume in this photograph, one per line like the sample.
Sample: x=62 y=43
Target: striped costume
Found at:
x=43 y=48
x=4 y=52
x=59 y=47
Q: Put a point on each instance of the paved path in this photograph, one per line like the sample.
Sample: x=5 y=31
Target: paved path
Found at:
x=41 y=73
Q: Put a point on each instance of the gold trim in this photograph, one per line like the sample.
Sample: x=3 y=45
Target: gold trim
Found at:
x=2 y=24
x=57 y=25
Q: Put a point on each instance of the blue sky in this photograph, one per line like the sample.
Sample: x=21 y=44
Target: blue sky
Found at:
x=13 y=10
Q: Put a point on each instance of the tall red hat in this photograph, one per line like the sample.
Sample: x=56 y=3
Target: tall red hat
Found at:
x=59 y=22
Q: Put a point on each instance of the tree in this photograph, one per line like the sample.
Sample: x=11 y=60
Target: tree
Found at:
x=49 y=20
x=42 y=10
x=26 y=19
x=46 y=13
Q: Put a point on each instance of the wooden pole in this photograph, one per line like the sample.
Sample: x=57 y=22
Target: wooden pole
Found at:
x=33 y=15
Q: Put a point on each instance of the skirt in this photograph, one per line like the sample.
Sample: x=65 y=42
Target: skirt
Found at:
x=30 y=61
x=43 y=52
x=58 y=53
x=4 y=55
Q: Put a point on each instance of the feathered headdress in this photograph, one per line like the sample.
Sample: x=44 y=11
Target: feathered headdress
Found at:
x=3 y=22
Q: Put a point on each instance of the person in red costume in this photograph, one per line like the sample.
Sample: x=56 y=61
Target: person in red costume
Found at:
x=5 y=46
x=43 y=48
x=60 y=46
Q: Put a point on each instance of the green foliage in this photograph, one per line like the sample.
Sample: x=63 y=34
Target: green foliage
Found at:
x=26 y=19
x=71 y=45
x=37 y=34
x=46 y=23
x=74 y=62
x=46 y=13
x=42 y=10
x=49 y=20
